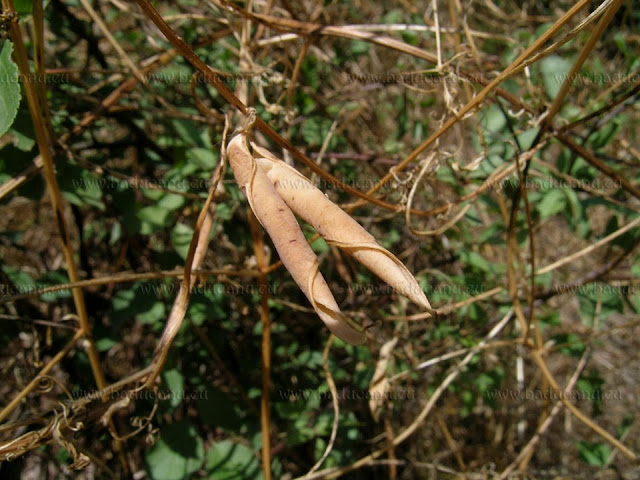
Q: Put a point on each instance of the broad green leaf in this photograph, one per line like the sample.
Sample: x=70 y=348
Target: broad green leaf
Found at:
x=9 y=87
x=228 y=460
x=595 y=454
x=314 y=130
x=22 y=281
x=621 y=43
x=393 y=16
x=54 y=277
x=493 y=119
x=576 y=214
x=142 y=303
x=552 y=202
x=320 y=246
x=81 y=187
x=154 y=315
x=606 y=133
x=554 y=71
x=590 y=386
x=174 y=383
x=595 y=297
x=105 y=344
x=223 y=211
x=358 y=47
x=181 y=239
x=203 y=157
x=526 y=138
x=178 y=454
x=571 y=344
x=23 y=7
x=172 y=201
x=154 y=215
x=209 y=305
x=476 y=260
x=390 y=239
x=187 y=131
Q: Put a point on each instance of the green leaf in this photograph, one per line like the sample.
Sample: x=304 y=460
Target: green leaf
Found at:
x=625 y=240
x=55 y=277
x=23 y=7
x=552 y=202
x=228 y=460
x=595 y=454
x=9 y=88
x=203 y=157
x=575 y=214
x=595 y=297
x=390 y=239
x=223 y=211
x=181 y=239
x=105 y=344
x=178 y=454
x=493 y=119
x=526 y=138
x=476 y=260
x=358 y=47
x=619 y=39
x=154 y=315
x=154 y=215
x=314 y=130
x=393 y=16
x=141 y=302
x=81 y=187
x=169 y=201
x=572 y=344
x=591 y=386
x=186 y=131
x=209 y=305
x=320 y=246
x=554 y=71
x=22 y=281
x=175 y=384
x=605 y=134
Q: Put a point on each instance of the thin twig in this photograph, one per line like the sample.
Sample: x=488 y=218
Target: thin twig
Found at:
x=194 y=258
x=265 y=415
x=408 y=431
x=45 y=147
x=42 y=373
x=336 y=407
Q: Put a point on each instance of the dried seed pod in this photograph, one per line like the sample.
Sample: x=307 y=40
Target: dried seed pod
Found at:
x=291 y=245
x=338 y=228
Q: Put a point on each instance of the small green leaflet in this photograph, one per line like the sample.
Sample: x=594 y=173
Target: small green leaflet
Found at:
x=9 y=88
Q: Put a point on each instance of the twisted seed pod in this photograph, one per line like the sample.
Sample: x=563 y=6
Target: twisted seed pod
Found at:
x=338 y=228
x=291 y=245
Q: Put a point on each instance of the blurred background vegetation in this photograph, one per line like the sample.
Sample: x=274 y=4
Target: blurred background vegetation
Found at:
x=524 y=236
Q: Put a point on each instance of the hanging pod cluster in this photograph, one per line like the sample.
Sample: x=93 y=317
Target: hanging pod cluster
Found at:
x=276 y=192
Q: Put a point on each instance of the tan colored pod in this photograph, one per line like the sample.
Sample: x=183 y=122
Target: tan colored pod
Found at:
x=291 y=245
x=338 y=228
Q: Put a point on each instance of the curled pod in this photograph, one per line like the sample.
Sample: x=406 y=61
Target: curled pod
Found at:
x=338 y=228
x=292 y=247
